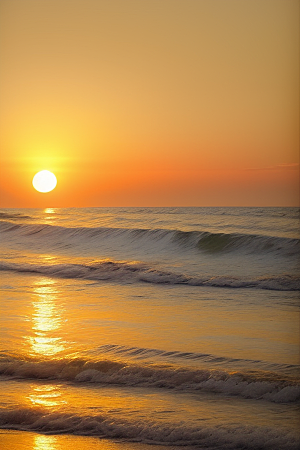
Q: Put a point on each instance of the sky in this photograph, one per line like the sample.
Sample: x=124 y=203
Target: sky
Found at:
x=150 y=102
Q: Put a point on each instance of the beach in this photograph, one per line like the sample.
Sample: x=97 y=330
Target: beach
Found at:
x=28 y=441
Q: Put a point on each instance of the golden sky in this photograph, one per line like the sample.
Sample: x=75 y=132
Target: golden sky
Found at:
x=150 y=102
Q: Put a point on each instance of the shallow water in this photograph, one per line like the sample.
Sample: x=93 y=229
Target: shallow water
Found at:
x=171 y=326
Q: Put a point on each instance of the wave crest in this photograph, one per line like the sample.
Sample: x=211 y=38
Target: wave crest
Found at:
x=268 y=386
x=124 y=271
x=197 y=240
x=227 y=437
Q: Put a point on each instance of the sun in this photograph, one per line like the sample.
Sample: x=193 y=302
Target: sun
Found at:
x=44 y=181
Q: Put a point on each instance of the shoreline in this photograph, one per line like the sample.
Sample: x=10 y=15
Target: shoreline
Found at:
x=28 y=440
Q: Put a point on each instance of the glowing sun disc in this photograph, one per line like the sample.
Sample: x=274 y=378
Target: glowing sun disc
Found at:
x=44 y=181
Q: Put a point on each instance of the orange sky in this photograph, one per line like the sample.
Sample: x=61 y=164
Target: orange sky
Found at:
x=150 y=102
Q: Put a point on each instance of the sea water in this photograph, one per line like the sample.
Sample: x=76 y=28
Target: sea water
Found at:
x=170 y=326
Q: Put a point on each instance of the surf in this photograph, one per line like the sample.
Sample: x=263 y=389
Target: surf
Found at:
x=260 y=385
x=149 y=431
x=203 y=241
x=134 y=272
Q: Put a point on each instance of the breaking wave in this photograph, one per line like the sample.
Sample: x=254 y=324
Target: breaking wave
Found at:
x=259 y=385
x=198 y=240
x=226 y=437
x=131 y=272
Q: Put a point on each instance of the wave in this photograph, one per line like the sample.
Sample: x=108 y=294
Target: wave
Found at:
x=259 y=385
x=118 y=350
x=197 y=240
x=131 y=272
x=13 y=216
x=226 y=437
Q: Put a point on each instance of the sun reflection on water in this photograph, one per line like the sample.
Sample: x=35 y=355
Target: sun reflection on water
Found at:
x=49 y=210
x=49 y=259
x=46 y=320
x=49 y=215
x=47 y=396
x=44 y=442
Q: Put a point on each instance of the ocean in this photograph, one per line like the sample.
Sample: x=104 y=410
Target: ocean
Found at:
x=129 y=327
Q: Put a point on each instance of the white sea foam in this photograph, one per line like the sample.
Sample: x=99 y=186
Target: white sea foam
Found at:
x=146 y=431
x=267 y=386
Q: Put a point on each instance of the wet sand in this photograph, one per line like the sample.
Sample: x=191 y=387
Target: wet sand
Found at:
x=23 y=440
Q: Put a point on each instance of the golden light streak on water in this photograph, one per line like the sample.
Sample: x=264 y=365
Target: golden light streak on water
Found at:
x=45 y=442
x=46 y=319
x=48 y=259
x=48 y=396
x=49 y=216
x=49 y=210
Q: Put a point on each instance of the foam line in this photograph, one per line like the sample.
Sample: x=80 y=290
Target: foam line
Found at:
x=109 y=270
x=268 y=386
x=146 y=431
